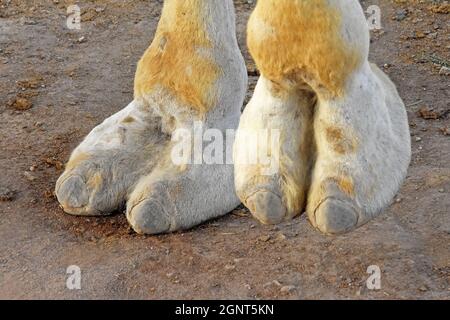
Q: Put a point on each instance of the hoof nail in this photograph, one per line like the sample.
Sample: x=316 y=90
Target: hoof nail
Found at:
x=336 y=217
x=148 y=217
x=267 y=207
x=72 y=193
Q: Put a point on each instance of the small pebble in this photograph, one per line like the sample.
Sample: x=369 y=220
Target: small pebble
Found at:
x=230 y=267
x=264 y=238
x=281 y=237
x=29 y=176
x=287 y=289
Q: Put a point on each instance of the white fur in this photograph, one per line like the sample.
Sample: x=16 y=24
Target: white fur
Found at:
x=373 y=112
x=109 y=161
x=291 y=115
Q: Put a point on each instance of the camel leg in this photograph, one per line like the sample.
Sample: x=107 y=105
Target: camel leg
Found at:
x=360 y=129
x=192 y=72
x=195 y=74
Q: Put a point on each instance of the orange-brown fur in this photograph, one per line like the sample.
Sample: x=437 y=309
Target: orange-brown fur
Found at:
x=346 y=185
x=307 y=44
x=128 y=119
x=76 y=160
x=174 y=62
x=340 y=142
x=342 y=181
x=95 y=181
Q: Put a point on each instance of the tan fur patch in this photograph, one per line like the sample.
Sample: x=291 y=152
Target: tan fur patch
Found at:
x=76 y=160
x=95 y=181
x=346 y=185
x=339 y=141
x=301 y=40
x=173 y=60
x=128 y=119
x=343 y=182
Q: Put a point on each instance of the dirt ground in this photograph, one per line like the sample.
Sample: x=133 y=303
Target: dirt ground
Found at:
x=56 y=84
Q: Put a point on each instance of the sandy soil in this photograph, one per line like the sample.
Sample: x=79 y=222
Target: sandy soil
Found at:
x=57 y=84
